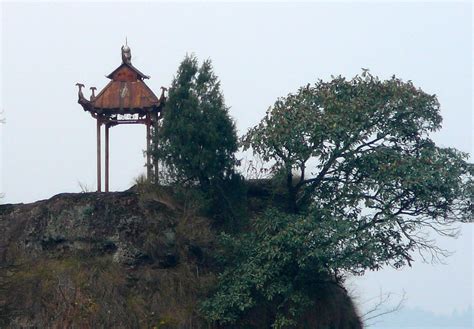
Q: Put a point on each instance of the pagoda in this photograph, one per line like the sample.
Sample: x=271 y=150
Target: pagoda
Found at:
x=126 y=99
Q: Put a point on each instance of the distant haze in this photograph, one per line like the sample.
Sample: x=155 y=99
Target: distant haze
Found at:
x=260 y=52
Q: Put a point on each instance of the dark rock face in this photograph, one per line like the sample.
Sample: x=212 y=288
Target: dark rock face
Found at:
x=91 y=255
x=117 y=224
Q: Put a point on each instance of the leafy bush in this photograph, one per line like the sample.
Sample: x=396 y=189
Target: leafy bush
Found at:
x=286 y=265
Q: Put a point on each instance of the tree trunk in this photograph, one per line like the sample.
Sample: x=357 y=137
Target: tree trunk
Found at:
x=292 y=207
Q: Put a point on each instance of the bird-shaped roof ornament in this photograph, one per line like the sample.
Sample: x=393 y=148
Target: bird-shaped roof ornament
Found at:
x=126 y=53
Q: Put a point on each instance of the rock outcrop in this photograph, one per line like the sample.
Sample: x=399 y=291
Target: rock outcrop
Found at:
x=96 y=260
x=134 y=259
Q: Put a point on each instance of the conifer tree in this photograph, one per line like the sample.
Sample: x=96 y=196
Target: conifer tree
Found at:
x=197 y=139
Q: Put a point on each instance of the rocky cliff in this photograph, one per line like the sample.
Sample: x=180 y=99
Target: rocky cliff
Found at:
x=102 y=259
x=117 y=260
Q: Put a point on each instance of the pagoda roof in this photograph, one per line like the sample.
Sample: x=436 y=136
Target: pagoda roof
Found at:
x=125 y=95
x=130 y=66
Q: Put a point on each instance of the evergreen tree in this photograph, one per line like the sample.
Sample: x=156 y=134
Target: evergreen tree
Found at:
x=197 y=139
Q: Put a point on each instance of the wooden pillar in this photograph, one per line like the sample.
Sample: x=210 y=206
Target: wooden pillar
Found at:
x=155 y=160
x=99 y=188
x=148 y=148
x=107 y=157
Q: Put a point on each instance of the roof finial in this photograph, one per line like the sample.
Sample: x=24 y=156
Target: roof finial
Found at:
x=126 y=53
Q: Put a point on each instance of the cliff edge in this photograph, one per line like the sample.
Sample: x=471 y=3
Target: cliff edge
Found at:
x=121 y=260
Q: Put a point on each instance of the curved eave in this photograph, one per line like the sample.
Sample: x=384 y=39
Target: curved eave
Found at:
x=86 y=105
x=112 y=111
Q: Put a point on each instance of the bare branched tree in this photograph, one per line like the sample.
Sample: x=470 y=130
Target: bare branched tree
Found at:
x=254 y=168
x=380 y=307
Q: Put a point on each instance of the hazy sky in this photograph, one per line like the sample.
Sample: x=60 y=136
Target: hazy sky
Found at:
x=260 y=52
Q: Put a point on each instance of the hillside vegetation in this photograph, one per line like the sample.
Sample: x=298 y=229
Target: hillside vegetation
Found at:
x=134 y=259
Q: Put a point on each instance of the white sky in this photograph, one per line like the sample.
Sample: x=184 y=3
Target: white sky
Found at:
x=260 y=52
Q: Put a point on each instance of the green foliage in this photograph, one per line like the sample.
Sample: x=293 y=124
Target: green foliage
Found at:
x=319 y=119
x=366 y=185
x=226 y=203
x=283 y=263
x=255 y=274
x=361 y=150
x=197 y=139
